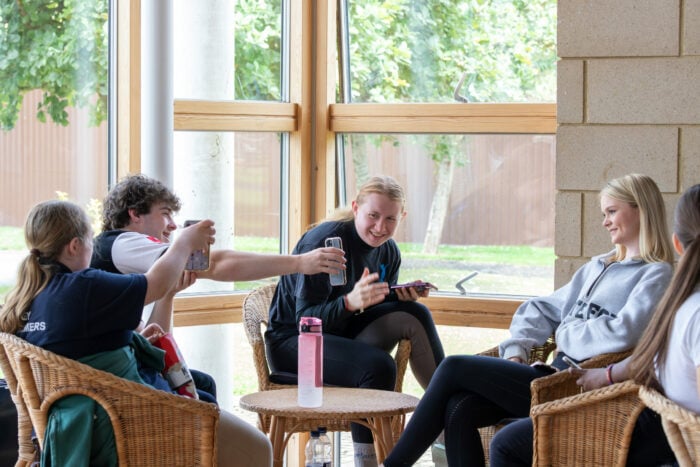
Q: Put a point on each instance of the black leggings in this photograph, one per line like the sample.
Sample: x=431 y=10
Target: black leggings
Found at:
x=361 y=358
x=467 y=392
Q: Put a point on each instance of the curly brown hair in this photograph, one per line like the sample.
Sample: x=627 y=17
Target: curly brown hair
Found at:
x=137 y=192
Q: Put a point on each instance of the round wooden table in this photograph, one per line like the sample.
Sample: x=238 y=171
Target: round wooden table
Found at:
x=372 y=408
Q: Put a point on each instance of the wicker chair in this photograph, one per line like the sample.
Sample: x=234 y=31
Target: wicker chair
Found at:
x=592 y=428
x=151 y=427
x=681 y=425
x=256 y=308
x=563 y=383
x=548 y=388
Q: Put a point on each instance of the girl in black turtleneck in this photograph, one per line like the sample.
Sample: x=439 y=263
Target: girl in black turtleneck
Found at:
x=363 y=319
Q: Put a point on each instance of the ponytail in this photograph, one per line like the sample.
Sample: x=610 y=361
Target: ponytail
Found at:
x=32 y=278
x=50 y=226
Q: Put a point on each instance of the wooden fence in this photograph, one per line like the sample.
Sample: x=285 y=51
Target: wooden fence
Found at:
x=502 y=195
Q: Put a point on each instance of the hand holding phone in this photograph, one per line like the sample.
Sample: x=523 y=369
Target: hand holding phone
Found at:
x=420 y=286
x=337 y=278
x=199 y=259
x=571 y=363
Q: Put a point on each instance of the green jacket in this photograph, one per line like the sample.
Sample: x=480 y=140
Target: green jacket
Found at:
x=78 y=432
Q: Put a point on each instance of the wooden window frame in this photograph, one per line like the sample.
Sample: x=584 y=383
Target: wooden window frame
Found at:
x=312 y=119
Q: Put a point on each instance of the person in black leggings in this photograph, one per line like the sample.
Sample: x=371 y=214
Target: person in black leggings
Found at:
x=662 y=359
x=363 y=319
x=604 y=308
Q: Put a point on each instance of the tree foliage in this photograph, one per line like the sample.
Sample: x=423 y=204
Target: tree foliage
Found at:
x=402 y=50
x=56 y=46
x=258 y=45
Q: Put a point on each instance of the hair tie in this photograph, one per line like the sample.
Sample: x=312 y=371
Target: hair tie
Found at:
x=35 y=252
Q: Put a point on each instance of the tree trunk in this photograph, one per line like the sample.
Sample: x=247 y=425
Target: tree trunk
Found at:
x=359 y=159
x=441 y=199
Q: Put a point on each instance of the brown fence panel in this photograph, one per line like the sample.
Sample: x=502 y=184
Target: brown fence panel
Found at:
x=38 y=159
x=489 y=203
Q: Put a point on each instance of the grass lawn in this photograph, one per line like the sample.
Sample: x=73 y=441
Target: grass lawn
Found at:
x=11 y=238
x=512 y=270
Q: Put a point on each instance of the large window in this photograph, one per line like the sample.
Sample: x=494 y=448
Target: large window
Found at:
x=454 y=99
x=493 y=215
x=451 y=99
x=53 y=113
x=230 y=63
x=437 y=51
x=233 y=178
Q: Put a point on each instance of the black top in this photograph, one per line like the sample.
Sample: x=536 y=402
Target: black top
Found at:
x=102 y=251
x=300 y=295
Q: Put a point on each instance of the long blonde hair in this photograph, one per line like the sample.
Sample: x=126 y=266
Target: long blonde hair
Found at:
x=49 y=227
x=652 y=350
x=641 y=191
x=380 y=184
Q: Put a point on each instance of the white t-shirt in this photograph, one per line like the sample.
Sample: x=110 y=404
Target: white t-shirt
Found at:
x=135 y=253
x=679 y=376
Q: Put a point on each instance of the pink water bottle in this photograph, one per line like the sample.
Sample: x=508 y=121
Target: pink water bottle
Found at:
x=310 y=369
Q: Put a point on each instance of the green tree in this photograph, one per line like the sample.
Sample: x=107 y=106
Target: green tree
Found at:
x=59 y=47
x=258 y=57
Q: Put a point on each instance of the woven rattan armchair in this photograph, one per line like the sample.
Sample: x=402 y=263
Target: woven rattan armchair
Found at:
x=682 y=426
x=151 y=427
x=563 y=383
x=592 y=428
x=256 y=308
x=551 y=387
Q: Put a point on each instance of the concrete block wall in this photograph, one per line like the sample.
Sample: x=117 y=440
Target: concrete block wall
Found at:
x=627 y=101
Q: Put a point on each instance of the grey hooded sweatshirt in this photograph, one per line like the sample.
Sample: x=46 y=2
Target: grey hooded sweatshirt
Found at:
x=604 y=308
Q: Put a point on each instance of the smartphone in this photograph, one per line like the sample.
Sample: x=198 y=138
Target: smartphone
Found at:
x=337 y=278
x=420 y=286
x=571 y=363
x=543 y=367
x=199 y=259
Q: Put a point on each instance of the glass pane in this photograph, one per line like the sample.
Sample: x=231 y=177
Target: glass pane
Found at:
x=53 y=114
x=412 y=51
x=230 y=50
x=476 y=204
x=233 y=179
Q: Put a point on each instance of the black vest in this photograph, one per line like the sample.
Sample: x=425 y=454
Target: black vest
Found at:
x=102 y=251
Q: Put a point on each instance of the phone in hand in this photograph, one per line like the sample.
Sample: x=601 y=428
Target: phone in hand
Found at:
x=571 y=363
x=337 y=278
x=199 y=259
x=420 y=286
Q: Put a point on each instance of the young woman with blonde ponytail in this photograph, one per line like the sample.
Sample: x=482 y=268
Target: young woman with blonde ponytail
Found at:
x=667 y=356
x=62 y=305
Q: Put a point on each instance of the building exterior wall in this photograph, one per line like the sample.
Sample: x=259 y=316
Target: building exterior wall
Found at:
x=627 y=101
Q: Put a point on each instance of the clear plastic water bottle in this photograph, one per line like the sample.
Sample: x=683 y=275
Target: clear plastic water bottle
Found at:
x=326 y=447
x=312 y=451
x=310 y=363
